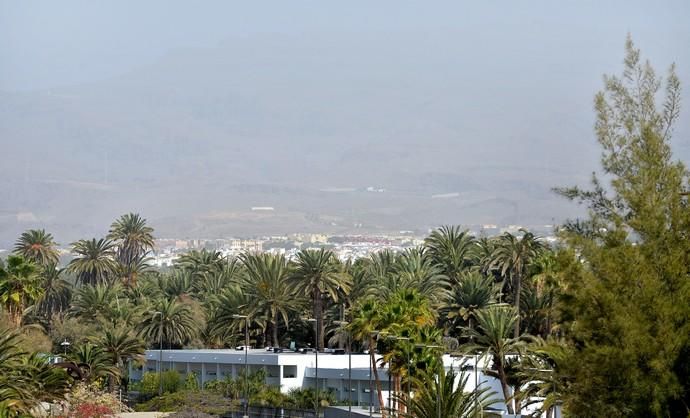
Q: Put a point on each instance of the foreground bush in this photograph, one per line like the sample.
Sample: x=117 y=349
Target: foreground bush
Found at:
x=303 y=398
x=207 y=402
x=91 y=410
x=149 y=383
x=87 y=401
x=190 y=414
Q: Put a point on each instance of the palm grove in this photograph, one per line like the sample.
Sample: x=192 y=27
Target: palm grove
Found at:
x=598 y=324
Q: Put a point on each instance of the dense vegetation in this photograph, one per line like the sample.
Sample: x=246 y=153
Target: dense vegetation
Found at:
x=598 y=324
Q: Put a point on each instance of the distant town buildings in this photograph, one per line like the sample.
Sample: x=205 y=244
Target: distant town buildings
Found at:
x=167 y=250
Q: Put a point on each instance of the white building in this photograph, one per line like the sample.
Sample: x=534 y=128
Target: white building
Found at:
x=289 y=370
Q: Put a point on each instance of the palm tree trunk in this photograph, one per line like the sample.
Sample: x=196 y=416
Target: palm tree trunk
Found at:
x=547 y=331
x=516 y=297
x=517 y=397
x=275 y=330
x=111 y=379
x=15 y=317
x=379 y=389
x=504 y=386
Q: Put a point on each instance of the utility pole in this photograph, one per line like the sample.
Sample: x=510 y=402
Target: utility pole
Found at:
x=246 y=363
x=160 y=354
x=349 y=366
x=316 y=379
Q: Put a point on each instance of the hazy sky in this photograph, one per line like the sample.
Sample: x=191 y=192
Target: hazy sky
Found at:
x=192 y=112
x=51 y=43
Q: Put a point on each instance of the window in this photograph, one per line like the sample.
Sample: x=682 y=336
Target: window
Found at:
x=289 y=372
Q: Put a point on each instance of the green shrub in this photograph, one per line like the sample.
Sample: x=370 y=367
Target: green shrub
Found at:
x=234 y=388
x=303 y=398
x=270 y=396
x=149 y=382
x=228 y=387
x=191 y=382
x=190 y=414
x=186 y=400
x=84 y=398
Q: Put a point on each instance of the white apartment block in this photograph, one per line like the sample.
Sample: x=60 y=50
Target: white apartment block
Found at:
x=287 y=370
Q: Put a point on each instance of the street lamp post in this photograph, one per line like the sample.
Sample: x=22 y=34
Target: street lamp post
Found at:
x=390 y=403
x=246 y=362
x=476 y=380
x=160 y=353
x=409 y=377
x=349 y=367
x=64 y=345
x=390 y=383
x=316 y=376
x=371 y=393
x=372 y=334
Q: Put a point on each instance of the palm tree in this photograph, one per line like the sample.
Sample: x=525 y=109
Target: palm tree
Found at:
x=50 y=384
x=442 y=395
x=134 y=240
x=213 y=283
x=124 y=312
x=129 y=272
x=168 y=322
x=38 y=246
x=388 y=274
x=26 y=380
x=366 y=320
x=200 y=262
x=541 y=369
x=57 y=292
x=485 y=250
x=452 y=250
x=318 y=273
x=19 y=287
x=512 y=256
x=413 y=270
x=95 y=302
x=225 y=312
x=120 y=345
x=406 y=311
x=491 y=337
x=15 y=389
x=176 y=284
x=266 y=285
x=379 y=265
x=407 y=314
x=536 y=310
x=91 y=362
x=361 y=284
x=147 y=289
x=94 y=262
x=545 y=271
x=473 y=291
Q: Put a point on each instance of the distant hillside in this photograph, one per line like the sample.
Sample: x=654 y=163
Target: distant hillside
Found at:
x=195 y=140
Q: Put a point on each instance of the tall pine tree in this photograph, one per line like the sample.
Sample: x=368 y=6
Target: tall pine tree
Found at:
x=625 y=304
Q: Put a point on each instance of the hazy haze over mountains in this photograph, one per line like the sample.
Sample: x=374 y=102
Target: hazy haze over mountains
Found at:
x=193 y=113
